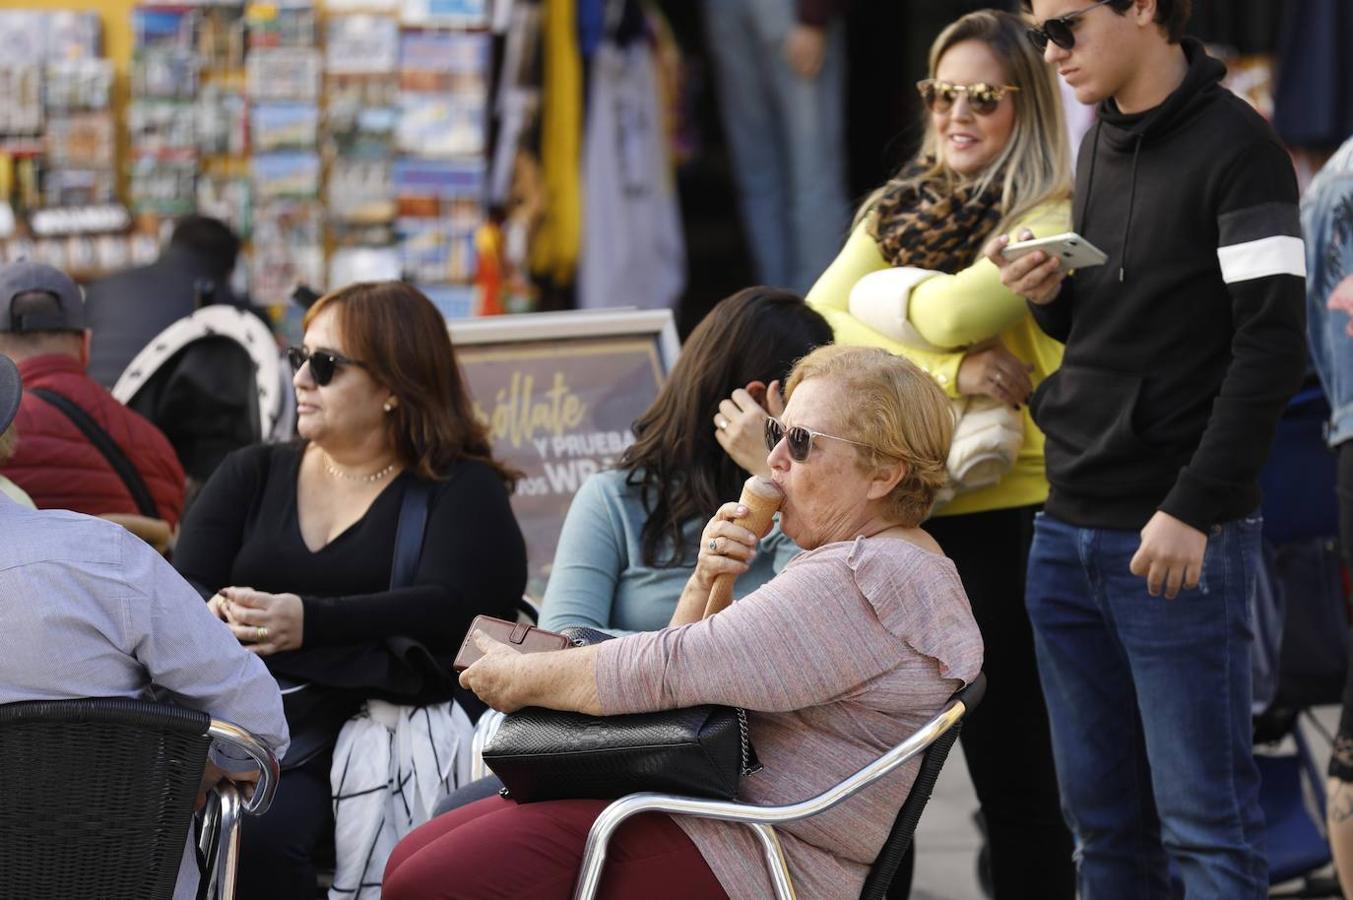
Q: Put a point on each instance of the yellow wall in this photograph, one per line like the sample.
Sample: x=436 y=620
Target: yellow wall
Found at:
x=117 y=22
x=117 y=46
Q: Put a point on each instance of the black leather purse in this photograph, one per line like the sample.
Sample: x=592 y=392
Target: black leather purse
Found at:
x=545 y=754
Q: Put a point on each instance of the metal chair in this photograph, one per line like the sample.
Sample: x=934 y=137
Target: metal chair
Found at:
x=96 y=799
x=933 y=740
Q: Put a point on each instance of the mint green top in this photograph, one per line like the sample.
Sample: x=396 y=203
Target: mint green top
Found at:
x=599 y=577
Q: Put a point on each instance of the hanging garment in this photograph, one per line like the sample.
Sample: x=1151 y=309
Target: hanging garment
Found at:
x=633 y=253
x=554 y=249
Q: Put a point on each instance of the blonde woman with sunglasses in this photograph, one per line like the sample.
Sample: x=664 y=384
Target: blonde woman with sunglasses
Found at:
x=911 y=279
x=840 y=655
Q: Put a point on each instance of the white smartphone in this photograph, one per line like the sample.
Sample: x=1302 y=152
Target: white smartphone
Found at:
x=1074 y=251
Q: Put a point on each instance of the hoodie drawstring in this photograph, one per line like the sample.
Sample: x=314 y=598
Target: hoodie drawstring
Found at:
x=1132 y=197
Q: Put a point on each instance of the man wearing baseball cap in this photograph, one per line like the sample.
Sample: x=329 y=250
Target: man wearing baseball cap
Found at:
x=78 y=448
x=125 y=625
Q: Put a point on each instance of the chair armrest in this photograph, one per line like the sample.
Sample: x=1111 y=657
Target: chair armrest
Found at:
x=761 y=818
x=898 y=756
x=232 y=735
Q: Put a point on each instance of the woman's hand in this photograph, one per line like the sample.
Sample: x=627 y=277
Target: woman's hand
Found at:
x=740 y=424
x=507 y=679
x=216 y=606
x=994 y=371
x=494 y=677
x=725 y=548
x=264 y=623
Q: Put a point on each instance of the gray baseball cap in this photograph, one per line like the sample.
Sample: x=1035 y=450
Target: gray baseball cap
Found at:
x=21 y=277
x=11 y=390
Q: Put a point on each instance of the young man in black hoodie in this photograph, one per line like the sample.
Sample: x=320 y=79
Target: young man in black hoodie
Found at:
x=1180 y=354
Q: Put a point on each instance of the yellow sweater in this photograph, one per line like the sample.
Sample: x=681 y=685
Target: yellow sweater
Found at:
x=957 y=311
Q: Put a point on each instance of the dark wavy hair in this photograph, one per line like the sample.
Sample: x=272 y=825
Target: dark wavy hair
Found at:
x=402 y=340
x=682 y=473
x=1171 y=15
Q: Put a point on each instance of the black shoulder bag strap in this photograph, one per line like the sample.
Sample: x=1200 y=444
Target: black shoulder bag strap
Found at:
x=104 y=443
x=413 y=517
x=412 y=523
x=409 y=532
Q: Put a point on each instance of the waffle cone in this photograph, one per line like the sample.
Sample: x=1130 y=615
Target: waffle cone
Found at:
x=762 y=497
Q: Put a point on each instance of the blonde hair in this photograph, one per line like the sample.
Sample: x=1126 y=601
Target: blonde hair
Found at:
x=9 y=441
x=897 y=411
x=1037 y=159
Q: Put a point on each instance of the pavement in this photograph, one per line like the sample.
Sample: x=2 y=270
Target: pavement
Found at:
x=946 y=838
x=947 y=841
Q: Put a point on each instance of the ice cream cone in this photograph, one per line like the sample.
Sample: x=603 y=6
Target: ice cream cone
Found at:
x=762 y=497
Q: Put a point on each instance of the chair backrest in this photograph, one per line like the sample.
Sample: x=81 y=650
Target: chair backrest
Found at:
x=904 y=826
x=96 y=797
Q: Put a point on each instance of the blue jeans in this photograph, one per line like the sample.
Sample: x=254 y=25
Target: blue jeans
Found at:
x=1149 y=703
x=786 y=136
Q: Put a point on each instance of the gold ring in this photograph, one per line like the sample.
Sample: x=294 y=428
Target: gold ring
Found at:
x=261 y=631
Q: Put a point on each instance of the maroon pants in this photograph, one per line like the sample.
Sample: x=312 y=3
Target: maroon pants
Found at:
x=532 y=851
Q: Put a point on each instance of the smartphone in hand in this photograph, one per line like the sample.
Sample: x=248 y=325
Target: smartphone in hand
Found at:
x=1074 y=251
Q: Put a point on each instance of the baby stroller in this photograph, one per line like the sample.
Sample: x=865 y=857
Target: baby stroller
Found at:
x=1301 y=651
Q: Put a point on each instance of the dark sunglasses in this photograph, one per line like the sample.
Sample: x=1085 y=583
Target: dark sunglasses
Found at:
x=800 y=439
x=939 y=96
x=324 y=364
x=1059 y=30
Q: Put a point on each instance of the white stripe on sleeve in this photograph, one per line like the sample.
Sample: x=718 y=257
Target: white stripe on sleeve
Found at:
x=1278 y=255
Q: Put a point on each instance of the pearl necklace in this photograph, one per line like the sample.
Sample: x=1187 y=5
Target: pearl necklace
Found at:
x=366 y=479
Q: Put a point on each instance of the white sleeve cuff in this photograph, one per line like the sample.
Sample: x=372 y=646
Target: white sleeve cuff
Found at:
x=882 y=301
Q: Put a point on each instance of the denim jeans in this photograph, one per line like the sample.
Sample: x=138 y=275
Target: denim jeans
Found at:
x=786 y=136
x=1149 y=702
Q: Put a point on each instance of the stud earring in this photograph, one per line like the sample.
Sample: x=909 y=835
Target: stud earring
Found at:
x=389 y=406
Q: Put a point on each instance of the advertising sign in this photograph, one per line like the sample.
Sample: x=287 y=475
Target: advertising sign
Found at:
x=559 y=392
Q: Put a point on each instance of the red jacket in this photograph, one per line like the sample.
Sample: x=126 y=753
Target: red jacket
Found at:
x=58 y=466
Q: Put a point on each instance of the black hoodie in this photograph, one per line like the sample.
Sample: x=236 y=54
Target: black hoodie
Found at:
x=1182 y=350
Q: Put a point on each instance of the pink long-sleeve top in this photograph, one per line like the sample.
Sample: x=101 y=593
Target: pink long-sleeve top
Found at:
x=839 y=658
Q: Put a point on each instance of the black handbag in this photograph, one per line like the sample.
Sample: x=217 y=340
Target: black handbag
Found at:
x=546 y=754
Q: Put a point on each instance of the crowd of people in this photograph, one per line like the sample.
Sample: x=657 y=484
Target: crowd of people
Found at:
x=989 y=463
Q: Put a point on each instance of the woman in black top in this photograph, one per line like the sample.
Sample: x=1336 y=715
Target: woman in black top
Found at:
x=294 y=546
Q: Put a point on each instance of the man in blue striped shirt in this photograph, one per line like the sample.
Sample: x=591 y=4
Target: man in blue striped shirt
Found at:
x=88 y=610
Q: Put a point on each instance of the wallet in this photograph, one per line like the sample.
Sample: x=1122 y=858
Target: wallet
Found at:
x=523 y=636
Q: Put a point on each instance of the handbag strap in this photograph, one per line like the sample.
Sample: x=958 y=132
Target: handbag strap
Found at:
x=413 y=520
x=750 y=762
x=107 y=447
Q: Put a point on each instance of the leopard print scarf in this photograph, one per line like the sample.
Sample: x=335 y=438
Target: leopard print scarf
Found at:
x=931 y=225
